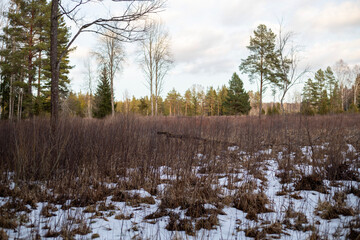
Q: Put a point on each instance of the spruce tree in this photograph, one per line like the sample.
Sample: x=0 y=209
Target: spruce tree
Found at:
x=221 y=97
x=103 y=96
x=237 y=100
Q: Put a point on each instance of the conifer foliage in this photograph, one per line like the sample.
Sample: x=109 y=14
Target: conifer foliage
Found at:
x=322 y=94
x=263 y=63
x=103 y=96
x=25 y=59
x=237 y=100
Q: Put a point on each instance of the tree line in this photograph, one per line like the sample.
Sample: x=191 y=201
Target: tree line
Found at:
x=25 y=59
x=35 y=45
x=26 y=86
x=225 y=100
x=329 y=92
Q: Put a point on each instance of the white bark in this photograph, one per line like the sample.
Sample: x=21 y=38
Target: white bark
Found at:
x=111 y=54
x=156 y=60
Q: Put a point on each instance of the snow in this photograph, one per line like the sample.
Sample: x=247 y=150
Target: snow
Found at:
x=231 y=225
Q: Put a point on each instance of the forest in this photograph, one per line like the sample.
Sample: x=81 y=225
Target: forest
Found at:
x=213 y=162
x=25 y=45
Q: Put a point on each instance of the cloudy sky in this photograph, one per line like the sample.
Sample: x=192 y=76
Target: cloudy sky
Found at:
x=209 y=39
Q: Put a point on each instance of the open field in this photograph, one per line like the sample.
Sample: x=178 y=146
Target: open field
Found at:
x=130 y=177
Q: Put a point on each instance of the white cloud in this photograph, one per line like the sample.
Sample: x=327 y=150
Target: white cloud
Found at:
x=327 y=53
x=333 y=16
x=209 y=37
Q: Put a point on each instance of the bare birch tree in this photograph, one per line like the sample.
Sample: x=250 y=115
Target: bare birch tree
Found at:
x=111 y=54
x=89 y=85
x=290 y=74
x=355 y=75
x=343 y=75
x=128 y=28
x=156 y=60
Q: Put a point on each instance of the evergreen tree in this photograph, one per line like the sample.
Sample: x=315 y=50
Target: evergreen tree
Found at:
x=144 y=106
x=221 y=97
x=64 y=81
x=308 y=103
x=237 y=100
x=173 y=100
x=263 y=63
x=103 y=96
x=333 y=91
x=210 y=101
x=187 y=101
x=26 y=64
x=322 y=94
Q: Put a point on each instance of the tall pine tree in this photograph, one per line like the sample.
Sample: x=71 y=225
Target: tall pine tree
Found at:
x=25 y=65
x=263 y=63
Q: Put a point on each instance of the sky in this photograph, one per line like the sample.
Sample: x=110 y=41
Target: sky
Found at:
x=209 y=39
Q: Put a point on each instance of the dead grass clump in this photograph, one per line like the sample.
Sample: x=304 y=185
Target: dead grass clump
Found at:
x=341 y=171
x=47 y=210
x=275 y=228
x=173 y=202
x=339 y=198
x=97 y=214
x=176 y=224
x=132 y=199
x=296 y=196
x=311 y=183
x=89 y=209
x=14 y=206
x=216 y=211
x=216 y=166
x=84 y=200
x=281 y=193
x=5 y=190
x=207 y=223
x=248 y=201
x=353 y=234
x=3 y=235
x=122 y=216
x=8 y=221
x=196 y=210
x=301 y=217
x=95 y=235
x=252 y=215
x=104 y=207
x=255 y=233
x=190 y=190
x=52 y=234
x=160 y=212
x=328 y=211
x=82 y=229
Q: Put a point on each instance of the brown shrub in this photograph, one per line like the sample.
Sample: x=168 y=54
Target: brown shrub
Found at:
x=3 y=235
x=248 y=201
x=275 y=228
x=176 y=224
x=124 y=217
x=310 y=182
x=207 y=223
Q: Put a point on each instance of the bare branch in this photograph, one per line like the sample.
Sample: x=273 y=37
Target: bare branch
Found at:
x=125 y=30
x=289 y=64
x=72 y=12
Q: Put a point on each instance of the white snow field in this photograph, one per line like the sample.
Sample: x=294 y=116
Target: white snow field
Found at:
x=285 y=212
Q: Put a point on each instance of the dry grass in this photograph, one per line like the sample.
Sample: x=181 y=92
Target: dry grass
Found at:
x=87 y=155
